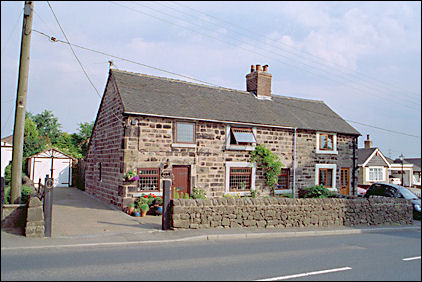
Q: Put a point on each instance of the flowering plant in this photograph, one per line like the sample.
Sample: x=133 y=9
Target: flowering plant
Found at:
x=131 y=175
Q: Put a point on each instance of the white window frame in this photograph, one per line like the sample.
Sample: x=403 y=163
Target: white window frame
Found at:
x=239 y=147
x=240 y=164
x=333 y=151
x=377 y=168
x=332 y=166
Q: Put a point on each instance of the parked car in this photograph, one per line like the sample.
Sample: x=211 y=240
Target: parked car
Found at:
x=396 y=191
x=361 y=191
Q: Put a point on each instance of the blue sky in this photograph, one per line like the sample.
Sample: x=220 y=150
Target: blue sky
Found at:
x=363 y=59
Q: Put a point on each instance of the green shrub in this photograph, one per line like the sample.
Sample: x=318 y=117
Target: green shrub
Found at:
x=316 y=191
x=140 y=201
x=144 y=207
x=26 y=191
x=8 y=174
x=198 y=194
x=269 y=162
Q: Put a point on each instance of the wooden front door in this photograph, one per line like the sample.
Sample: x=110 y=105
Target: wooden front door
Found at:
x=181 y=180
x=344 y=180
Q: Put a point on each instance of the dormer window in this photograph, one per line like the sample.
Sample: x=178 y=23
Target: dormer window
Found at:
x=326 y=143
x=240 y=138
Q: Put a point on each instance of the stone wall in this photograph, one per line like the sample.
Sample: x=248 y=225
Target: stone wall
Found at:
x=285 y=212
x=14 y=217
x=35 y=218
x=104 y=160
x=149 y=144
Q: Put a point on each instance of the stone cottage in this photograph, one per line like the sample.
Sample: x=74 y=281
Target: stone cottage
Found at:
x=201 y=136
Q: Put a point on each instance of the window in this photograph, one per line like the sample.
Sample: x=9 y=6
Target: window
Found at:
x=240 y=138
x=375 y=174
x=326 y=177
x=149 y=179
x=100 y=170
x=326 y=143
x=185 y=133
x=240 y=179
x=283 y=179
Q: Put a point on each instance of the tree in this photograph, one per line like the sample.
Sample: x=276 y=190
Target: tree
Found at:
x=82 y=138
x=65 y=142
x=33 y=141
x=48 y=125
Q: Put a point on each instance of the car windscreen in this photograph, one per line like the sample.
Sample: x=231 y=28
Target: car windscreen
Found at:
x=407 y=194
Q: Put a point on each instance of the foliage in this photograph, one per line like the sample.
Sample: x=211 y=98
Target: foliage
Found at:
x=198 y=194
x=131 y=205
x=65 y=142
x=158 y=201
x=8 y=174
x=130 y=175
x=33 y=140
x=254 y=194
x=269 y=162
x=26 y=191
x=316 y=191
x=48 y=125
x=287 y=195
x=231 y=196
x=144 y=207
x=140 y=201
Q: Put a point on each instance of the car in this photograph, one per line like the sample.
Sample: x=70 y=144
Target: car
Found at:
x=361 y=191
x=396 y=191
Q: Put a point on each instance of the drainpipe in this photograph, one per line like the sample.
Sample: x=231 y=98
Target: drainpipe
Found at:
x=354 y=168
x=294 y=165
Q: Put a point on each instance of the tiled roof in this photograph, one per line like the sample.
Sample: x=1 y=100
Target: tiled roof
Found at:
x=151 y=95
x=416 y=163
x=364 y=154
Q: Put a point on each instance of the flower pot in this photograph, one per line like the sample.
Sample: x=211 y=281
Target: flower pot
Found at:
x=158 y=210
x=136 y=213
x=143 y=213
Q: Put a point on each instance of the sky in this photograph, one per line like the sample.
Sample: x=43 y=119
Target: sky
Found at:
x=363 y=59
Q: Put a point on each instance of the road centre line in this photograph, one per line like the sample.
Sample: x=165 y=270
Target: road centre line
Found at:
x=413 y=258
x=306 y=274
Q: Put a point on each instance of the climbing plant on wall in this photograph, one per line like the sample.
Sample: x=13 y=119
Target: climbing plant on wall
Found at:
x=269 y=161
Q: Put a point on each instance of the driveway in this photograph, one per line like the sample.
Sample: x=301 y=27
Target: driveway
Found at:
x=75 y=213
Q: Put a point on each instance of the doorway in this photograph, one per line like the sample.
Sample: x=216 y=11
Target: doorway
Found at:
x=180 y=180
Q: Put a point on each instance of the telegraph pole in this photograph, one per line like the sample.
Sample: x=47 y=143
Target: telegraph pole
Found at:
x=18 y=131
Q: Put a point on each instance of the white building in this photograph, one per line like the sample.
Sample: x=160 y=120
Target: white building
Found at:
x=6 y=152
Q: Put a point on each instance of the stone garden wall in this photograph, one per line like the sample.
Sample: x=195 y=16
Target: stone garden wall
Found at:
x=285 y=212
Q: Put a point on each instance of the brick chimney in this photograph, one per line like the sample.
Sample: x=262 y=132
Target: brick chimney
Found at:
x=259 y=82
x=367 y=142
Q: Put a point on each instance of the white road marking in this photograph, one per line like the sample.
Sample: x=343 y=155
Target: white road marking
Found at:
x=407 y=259
x=306 y=274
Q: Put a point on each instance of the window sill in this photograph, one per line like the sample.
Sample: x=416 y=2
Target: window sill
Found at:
x=180 y=145
x=240 y=148
x=282 y=191
x=155 y=193
x=327 y=152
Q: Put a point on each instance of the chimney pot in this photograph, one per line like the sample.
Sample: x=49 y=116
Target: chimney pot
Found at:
x=265 y=68
x=259 y=82
x=252 y=68
x=258 y=67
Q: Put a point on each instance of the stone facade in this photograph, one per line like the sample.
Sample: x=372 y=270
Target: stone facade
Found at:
x=121 y=142
x=285 y=213
x=104 y=167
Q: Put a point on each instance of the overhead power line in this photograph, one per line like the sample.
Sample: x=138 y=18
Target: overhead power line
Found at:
x=301 y=53
x=329 y=77
x=53 y=39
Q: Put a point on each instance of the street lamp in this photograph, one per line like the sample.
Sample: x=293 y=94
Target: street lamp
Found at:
x=401 y=157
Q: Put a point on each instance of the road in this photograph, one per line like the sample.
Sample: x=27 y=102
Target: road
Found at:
x=368 y=256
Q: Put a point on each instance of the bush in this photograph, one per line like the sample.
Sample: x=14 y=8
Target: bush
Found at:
x=316 y=191
x=144 y=207
x=198 y=194
x=26 y=191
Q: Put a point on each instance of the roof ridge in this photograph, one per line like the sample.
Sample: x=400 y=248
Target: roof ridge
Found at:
x=178 y=80
x=213 y=87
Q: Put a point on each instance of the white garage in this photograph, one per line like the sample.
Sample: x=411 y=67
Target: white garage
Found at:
x=54 y=163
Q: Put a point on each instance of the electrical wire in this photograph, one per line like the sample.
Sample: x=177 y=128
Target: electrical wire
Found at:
x=252 y=51
x=289 y=105
x=299 y=53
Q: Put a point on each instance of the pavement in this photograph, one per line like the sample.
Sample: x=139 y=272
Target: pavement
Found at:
x=79 y=220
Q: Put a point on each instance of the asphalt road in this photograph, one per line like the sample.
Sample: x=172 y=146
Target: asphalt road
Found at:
x=368 y=256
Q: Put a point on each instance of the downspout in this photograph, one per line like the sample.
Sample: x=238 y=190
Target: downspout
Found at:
x=354 y=168
x=294 y=165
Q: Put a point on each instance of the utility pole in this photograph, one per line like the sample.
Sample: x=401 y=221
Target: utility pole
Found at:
x=19 y=126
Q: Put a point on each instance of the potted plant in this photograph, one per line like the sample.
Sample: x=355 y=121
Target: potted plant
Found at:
x=131 y=208
x=157 y=206
x=137 y=212
x=144 y=209
x=131 y=176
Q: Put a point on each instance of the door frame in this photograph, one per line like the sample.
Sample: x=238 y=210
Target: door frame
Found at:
x=188 y=178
